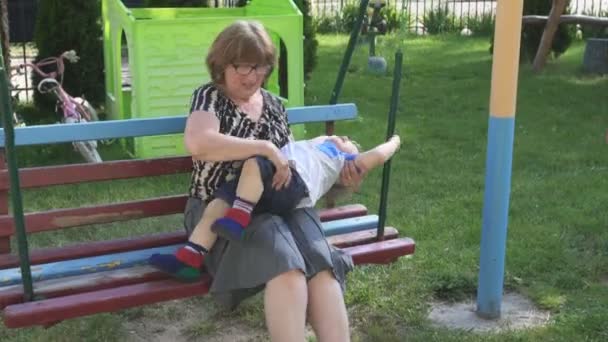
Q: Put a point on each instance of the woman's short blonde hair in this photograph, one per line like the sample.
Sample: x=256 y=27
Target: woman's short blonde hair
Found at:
x=241 y=42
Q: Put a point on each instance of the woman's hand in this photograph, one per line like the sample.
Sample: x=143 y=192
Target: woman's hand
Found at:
x=282 y=176
x=352 y=174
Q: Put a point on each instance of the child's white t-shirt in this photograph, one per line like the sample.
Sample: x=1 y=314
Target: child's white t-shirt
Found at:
x=318 y=162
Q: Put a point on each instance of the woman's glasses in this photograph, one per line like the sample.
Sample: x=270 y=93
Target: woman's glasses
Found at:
x=246 y=69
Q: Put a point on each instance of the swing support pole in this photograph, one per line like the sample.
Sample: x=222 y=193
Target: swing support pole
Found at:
x=390 y=131
x=501 y=126
x=350 y=48
x=17 y=202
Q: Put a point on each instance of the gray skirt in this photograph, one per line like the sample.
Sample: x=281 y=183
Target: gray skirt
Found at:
x=272 y=245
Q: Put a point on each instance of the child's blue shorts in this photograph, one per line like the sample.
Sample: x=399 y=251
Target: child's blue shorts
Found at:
x=277 y=202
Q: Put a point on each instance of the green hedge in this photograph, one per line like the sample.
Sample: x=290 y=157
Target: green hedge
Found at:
x=310 y=37
x=63 y=25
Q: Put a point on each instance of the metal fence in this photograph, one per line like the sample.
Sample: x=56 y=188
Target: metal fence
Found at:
x=22 y=19
x=22 y=16
x=416 y=9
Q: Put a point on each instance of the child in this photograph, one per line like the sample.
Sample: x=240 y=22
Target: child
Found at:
x=315 y=166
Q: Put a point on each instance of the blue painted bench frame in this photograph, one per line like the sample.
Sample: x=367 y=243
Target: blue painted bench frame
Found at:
x=51 y=134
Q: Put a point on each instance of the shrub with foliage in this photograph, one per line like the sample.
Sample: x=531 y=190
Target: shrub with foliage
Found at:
x=63 y=25
x=328 y=23
x=310 y=47
x=482 y=25
x=344 y=21
x=310 y=37
x=395 y=19
x=532 y=34
x=350 y=12
x=439 y=20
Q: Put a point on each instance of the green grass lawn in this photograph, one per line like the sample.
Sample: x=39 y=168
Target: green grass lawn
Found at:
x=557 y=249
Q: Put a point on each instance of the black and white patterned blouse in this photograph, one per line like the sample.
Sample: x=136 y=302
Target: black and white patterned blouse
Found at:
x=272 y=125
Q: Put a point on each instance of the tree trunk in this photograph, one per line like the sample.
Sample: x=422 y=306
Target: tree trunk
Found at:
x=545 y=43
x=4 y=34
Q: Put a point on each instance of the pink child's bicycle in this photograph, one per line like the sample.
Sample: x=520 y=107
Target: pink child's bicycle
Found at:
x=73 y=109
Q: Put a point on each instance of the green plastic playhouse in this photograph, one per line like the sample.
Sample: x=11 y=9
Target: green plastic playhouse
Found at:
x=155 y=58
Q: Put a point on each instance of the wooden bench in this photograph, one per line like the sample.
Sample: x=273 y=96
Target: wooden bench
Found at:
x=566 y=19
x=106 y=276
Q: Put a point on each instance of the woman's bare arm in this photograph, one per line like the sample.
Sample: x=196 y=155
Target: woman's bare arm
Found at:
x=204 y=141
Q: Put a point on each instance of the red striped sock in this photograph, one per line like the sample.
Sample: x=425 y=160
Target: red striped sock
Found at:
x=191 y=255
x=240 y=212
x=239 y=216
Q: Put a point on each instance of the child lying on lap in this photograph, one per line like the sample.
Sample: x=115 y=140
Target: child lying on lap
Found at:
x=315 y=166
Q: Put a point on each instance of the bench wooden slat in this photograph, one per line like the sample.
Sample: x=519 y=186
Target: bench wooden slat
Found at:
x=361 y=237
x=88 y=265
x=46 y=255
x=73 y=217
x=78 y=173
x=342 y=212
x=139 y=257
x=53 y=310
x=108 y=279
x=111 y=129
x=82 y=283
x=83 y=250
x=566 y=19
x=381 y=252
x=349 y=225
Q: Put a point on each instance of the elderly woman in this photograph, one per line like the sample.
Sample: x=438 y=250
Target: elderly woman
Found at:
x=232 y=119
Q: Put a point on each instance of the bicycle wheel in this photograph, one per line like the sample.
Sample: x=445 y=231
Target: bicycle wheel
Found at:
x=88 y=149
x=87 y=110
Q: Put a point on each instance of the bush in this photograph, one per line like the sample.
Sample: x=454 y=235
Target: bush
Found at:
x=346 y=21
x=349 y=16
x=63 y=25
x=532 y=34
x=310 y=47
x=394 y=19
x=327 y=24
x=439 y=20
x=310 y=38
x=482 y=25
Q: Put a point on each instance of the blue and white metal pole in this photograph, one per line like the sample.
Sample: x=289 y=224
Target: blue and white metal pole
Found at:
x=503 y=98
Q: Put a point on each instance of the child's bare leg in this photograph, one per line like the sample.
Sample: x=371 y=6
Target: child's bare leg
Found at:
x=202 y=234
x=250 y=186
x=187 y=261
x=248 y=193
